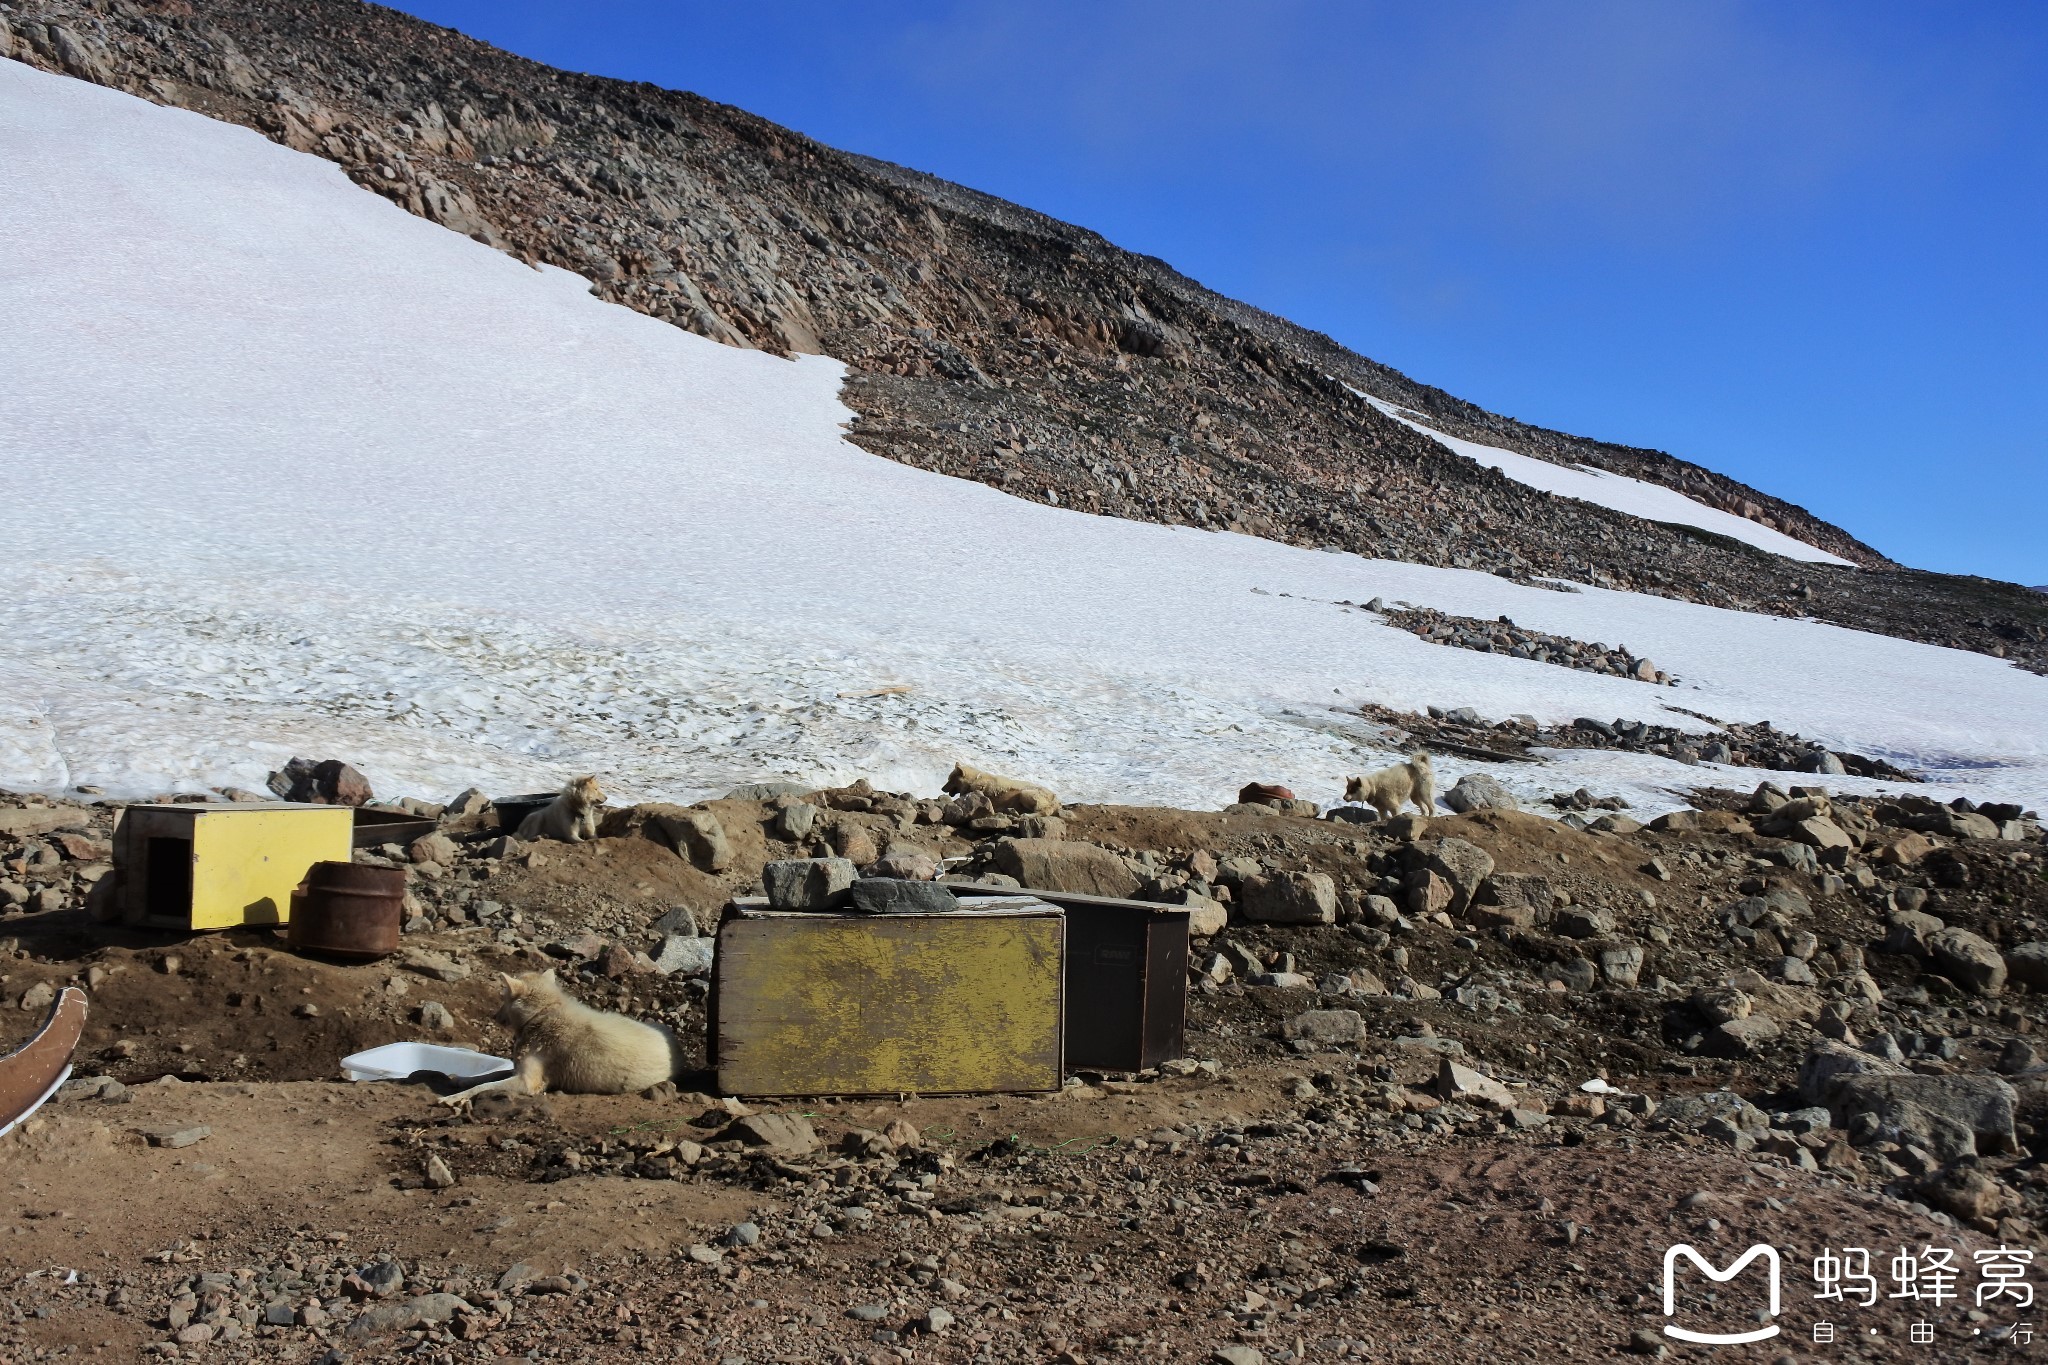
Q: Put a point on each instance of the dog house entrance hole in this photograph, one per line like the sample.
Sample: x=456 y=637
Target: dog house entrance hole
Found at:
x=168 y=875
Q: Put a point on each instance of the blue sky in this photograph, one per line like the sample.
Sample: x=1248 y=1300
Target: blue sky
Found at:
x=1806 y=245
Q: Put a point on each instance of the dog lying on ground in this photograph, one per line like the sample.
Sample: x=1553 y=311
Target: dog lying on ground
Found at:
x=570 y=817
x=1390 y=788
x=1006 y=794
x=563 y=1044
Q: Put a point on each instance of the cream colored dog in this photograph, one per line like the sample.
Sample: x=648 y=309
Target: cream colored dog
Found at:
x=570 y=817
x=1390 y=788
x=1004 y=793
x=563 y=1044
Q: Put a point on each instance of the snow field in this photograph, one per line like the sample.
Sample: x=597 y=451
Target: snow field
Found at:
x=291 y=471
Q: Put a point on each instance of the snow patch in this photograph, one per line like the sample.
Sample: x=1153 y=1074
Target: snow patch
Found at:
x=1650 y=501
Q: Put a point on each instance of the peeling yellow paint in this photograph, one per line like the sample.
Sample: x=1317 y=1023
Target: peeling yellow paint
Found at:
x=884 y=1004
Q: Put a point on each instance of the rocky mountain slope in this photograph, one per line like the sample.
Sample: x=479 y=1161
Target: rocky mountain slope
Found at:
x=984 y=340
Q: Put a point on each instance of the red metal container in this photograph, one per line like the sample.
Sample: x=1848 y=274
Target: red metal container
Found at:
x=349 y=910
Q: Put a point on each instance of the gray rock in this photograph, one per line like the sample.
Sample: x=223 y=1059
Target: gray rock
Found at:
x=1063 y=865
x=438 y=1174
x=890 y=896
x=1744 y=1037
x=1621 y=963
x=177 y=1135
x=680 y=922
x=1237 y=1355
x=1578 y=974
x=439 y=1308
x=1205 y=916
x=433 y=965
x=434 y=848
x=1959 y=824
x=1457 y=1082
x=1982 y=1105
x=1340 y=1027
x=1285 y=981
x=2028 y=965
x=384 y=1278
x=743 y=1235
x=434 y=1017
x=966 y=808
x=686 y=957
x=1969 y=961
x=794 y=823
x=1580 y=921
x=782 y=1134
x=1477 y=791
x=1828 y=1064
x=807 y=883
x=1907 y=931
x=466 y=803
x=1464 y=865
x=1290 y=898
x=696 y=835
x=1793 y=971
x=1692 y=1113
x=1815 y=1119
x=767 y=791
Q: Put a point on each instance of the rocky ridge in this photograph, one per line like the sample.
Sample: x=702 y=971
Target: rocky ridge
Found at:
x=984 y=340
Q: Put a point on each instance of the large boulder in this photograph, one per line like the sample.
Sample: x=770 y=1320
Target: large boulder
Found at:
x=1969 y=961
x=696 y=835
x=1465 y=1085
x=1477 y=791
x=1930 y=1107
x=2028 y=965
x=1290 y=898
x=1820 y=833
x=1064 y=865
x=1464 y=865
x=1908 y=932
x=1205 y=916
x=1828 y=1063
x=1904 y=848
x=1958 y=824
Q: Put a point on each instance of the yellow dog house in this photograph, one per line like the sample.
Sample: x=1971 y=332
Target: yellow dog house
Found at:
x=215 y=867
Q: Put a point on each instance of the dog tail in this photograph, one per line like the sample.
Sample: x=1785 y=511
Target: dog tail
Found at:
x=1420 y=758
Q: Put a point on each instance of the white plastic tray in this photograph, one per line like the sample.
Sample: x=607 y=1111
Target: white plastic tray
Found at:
x=397 y=1061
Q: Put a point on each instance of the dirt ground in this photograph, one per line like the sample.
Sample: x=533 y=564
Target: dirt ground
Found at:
x=1273 y=1197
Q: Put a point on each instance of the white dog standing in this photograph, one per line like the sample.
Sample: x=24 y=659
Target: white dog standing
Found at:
x=1387 y=790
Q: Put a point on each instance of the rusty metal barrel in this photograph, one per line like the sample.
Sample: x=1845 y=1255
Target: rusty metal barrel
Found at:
x=349 y=910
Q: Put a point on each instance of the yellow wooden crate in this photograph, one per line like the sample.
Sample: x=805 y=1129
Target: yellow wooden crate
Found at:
x=214 y=867
x=847 y=1004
